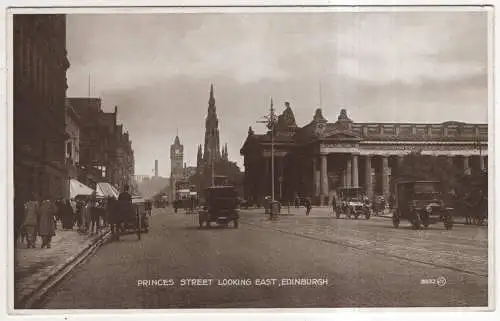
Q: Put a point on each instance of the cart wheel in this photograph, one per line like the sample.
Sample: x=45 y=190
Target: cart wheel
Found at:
x=395 y=220
x=235 y=223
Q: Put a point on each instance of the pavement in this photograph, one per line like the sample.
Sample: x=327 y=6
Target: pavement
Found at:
x=360 y=263
x=35 y=268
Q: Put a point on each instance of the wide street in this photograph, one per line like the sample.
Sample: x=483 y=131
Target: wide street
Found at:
x=366 y=263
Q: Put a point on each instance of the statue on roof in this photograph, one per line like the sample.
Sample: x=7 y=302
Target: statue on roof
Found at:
x=287 y=118
x=343 y=115
x=318 y=116
x=250 y=131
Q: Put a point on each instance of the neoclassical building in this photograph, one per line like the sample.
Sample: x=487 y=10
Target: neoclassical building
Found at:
x=316 y=159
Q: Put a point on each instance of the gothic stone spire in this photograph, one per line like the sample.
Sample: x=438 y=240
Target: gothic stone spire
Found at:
x=211 y=150
x=199 y=156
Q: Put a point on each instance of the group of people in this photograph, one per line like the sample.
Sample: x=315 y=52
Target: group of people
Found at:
x=35 y=217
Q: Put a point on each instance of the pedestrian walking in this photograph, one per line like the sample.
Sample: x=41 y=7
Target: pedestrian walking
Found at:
x=60 y=208
x=308 y=205
x=68 y=215
x=94 y=214
x=86 y=213
x=79 y=214
x=46 y=222
x=30 y=223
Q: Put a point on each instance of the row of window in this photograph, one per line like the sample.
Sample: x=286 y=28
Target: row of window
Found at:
x=422 y=131
x=35 y=70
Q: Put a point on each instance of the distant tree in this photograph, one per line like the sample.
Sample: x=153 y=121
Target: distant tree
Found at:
x=416 y=166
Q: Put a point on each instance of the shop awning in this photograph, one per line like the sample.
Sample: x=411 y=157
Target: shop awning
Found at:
x=79 y=189
x=104 y=190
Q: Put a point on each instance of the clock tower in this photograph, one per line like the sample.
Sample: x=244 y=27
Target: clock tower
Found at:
x=176 y=164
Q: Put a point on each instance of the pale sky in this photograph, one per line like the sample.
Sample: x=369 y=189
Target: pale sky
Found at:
x=381 y=67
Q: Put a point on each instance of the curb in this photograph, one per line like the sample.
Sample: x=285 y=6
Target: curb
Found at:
x=32 y=300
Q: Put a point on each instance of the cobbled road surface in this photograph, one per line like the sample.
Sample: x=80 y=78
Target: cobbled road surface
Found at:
x=366 y=263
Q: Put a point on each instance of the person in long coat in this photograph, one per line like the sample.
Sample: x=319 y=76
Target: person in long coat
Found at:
x=30 y=223
x=46 y=224
x=67 y=215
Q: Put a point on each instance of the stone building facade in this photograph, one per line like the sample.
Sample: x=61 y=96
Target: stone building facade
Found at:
x=105 y=150
x=40 y=64
x=316 y=159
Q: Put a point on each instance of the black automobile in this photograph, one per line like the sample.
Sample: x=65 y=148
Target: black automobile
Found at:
x=421 y=203
x=220 y=207
x=352 y=203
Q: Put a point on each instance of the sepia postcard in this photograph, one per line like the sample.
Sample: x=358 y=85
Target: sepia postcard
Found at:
x=238 y=158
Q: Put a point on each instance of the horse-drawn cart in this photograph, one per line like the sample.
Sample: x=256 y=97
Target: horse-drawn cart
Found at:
x=132 y=218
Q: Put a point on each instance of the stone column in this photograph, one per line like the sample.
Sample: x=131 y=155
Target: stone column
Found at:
x=355 y=176
x=324 y=177
x=316 y=177
x=385 y=176
x=482 y=165
x=368 y=177
x=348 y=173
x=466 y=165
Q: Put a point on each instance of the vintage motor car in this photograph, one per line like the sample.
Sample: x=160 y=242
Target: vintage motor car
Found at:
x=220 y=207
x=352 y=203
x=421 y=203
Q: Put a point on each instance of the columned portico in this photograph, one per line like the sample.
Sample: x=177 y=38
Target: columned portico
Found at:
x=331 y=151
x=355 y=168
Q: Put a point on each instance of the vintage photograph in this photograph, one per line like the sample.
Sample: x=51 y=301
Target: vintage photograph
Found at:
x=259 y=158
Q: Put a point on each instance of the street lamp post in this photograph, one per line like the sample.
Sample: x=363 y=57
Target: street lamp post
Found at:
x=270 y=121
